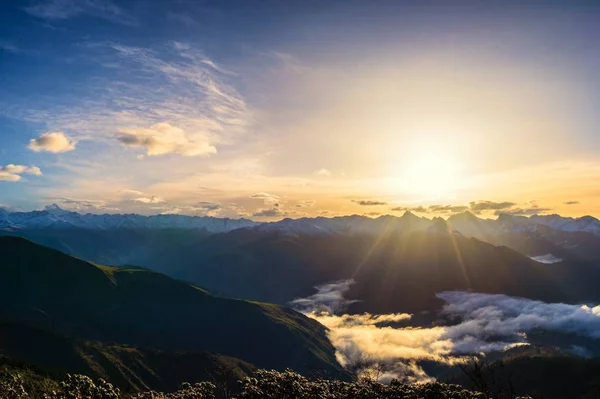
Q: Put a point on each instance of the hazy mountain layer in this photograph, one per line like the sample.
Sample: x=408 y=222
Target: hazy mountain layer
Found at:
x=395 y=272
x=53 y=217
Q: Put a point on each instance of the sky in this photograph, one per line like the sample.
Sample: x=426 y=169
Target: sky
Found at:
x=269 y=109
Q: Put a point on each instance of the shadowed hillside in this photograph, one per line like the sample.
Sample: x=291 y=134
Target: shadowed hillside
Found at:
x=44 y=288
x=393 y=272
x=129 y=368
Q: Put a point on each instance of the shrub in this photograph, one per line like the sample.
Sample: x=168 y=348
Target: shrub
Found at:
x=264 y=384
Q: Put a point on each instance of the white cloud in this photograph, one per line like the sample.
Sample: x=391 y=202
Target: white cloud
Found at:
x=268 y=198
x=163 y=138
x=486 y=323
x=52 y=142
x=548 y=259
x=501 y=315
x=65 y=9
x=365 y=319
x=323 y=172
x=13 y=172
x=268 y=213
x=329 y=298
x=132 y=192
x=306 y=204
x=208 y=206
x=189 y=92
x=150 y=200
x=81 y=204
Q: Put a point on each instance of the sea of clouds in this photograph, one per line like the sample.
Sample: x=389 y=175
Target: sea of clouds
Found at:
x=482 y=323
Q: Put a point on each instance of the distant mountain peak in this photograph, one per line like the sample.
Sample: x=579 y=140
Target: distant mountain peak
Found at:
x=465 y=216
x=53 y=208
x=409 y=214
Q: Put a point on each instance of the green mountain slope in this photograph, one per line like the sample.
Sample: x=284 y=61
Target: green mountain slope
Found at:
x=129 y=368
x=45 y=288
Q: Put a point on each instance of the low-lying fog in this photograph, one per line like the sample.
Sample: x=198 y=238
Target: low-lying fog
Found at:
x=468 y=324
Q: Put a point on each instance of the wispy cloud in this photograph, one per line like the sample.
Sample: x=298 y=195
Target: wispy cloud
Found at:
x=329 y=298
x=174 y=84
x=323 y=172
x=129 y=200
x=268 y=213
x=81 y=204
x=305 y=204
x=447 y=208
x=8 y=46
x=443 y=209
x=369 y=202
x=269 y=199
x=208 y=206
x=526 y=211
x=478 y=206
x=65 y=9
x=420 y=209
x=150 y=200
x=200 y=78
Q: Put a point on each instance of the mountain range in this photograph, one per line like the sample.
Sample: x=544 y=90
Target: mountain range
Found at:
x=55 y=217
x=540 y=257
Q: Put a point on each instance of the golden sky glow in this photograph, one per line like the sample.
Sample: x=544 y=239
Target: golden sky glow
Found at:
x=346 y=117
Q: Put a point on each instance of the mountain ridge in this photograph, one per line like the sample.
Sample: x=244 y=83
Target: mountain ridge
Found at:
x=54 y=217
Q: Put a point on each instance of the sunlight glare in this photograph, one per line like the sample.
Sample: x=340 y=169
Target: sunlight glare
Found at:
x=433 y=175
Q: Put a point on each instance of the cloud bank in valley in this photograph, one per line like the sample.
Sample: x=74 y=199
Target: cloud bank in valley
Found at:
x=328 y=299
x=477 y=324
x=548 y=259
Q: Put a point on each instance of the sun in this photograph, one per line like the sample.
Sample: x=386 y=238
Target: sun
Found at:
x=432 y=175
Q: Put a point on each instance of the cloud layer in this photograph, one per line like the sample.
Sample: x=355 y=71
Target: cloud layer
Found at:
x=548 y=259
x=369 y=202
x=329 y=298
x=483 y=323
x=477 y=207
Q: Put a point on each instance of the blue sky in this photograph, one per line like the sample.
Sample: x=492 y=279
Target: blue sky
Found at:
x=298 y=108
